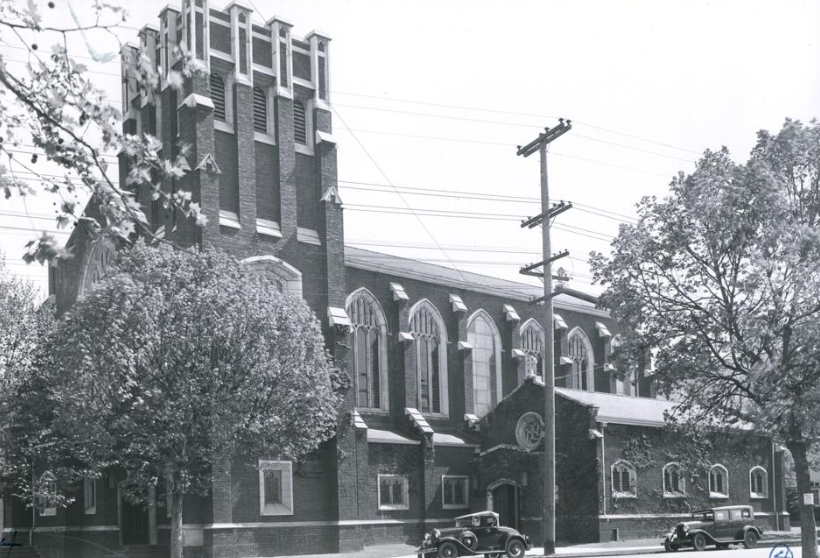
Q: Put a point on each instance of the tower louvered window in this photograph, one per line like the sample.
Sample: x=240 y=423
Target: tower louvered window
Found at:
x=299 y=123
x=218 y=97
x=260 y=111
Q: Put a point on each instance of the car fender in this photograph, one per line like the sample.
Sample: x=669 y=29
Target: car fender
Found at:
x=754 y=528
x=709 y=538
x=741 y=533
x=456 y=542
x=512 y=536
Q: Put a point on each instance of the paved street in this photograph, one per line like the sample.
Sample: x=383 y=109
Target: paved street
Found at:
x=643 y=551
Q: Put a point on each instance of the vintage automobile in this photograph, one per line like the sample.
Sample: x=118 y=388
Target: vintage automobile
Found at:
x=720 y=527
x=475 y=534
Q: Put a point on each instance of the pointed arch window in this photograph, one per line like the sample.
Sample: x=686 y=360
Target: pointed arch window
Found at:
x=624 y=479
x=430 y=336
x=718 y=482
x=625 y=380
x=532 y=343
x=673 y=482
x=369 y=331
x=283 y=276
x=758 y=482
x=47 y=494
x=583 y=361
x=486 y=342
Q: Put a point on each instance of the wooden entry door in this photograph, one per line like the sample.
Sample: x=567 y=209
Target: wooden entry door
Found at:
x=133 y=522
x=505 y=504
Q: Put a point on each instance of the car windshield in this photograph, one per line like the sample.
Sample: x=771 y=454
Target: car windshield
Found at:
x=703 y=516
x=476 y=521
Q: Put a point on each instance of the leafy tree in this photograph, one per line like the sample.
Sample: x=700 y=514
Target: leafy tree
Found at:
x=58 y=131
x=722 y=279
x=180 y=360
x=27 y=445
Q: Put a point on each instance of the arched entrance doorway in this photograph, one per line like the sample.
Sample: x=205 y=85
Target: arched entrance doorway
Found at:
x=503 y=497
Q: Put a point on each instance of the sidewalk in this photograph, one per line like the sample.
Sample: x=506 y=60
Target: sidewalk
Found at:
x=609 y=548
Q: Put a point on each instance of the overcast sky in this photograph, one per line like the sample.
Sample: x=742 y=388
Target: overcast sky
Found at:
x=436 y=94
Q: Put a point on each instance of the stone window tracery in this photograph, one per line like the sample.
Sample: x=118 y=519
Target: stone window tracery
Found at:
x=532 y=343
x=486 y=354
x=758 y=482
x=718 y=482
x=624 y=479
x=430 y=340
x=580 y=351
x=529 y=431
x=369 y=343
x=673 y=482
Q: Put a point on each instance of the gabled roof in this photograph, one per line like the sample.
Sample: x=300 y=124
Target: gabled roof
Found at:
x=431 y=273
x=622 y=409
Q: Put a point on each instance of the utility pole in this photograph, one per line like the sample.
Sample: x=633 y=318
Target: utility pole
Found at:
x=547 y=212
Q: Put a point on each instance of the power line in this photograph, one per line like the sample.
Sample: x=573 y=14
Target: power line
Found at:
x=507 y=145
x=398 y=211
x=384 y=174
x=443 y=105
x=502 y=123
x=486 y=197
x=416 y=190
x=526 y=114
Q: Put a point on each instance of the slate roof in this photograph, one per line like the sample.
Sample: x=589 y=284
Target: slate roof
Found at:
x=622 y=409
x=413 y=269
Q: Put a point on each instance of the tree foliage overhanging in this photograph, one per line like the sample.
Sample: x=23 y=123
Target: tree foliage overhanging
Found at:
x=61 y=135
x=175 y=364
x=721 y=281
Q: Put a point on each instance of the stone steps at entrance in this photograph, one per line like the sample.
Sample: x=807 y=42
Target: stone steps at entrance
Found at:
x=139 y=551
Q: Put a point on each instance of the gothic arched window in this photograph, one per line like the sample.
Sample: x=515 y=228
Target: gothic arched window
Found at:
x=624 y=479
x=718 y=482
x=369 y=331
x=99 y=257
x=532 y=343
x=486 y=342
x=673 y=481
x=47 y=494
x=286 y=278
x=583 y=361
x=430 y=340
x=758 y=482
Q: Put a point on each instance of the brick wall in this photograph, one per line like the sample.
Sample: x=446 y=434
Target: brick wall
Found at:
x=649 y=449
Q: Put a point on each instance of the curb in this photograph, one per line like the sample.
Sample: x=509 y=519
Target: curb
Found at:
x=628 y=551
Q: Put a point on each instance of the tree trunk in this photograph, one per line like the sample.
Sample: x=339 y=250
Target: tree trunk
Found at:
x=176 y=524
x=808 y=528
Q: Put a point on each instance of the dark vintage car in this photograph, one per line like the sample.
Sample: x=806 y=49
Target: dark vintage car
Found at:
x=475 y=534
x=716 y=526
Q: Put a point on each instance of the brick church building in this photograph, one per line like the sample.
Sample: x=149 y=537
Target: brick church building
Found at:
x=445 y=414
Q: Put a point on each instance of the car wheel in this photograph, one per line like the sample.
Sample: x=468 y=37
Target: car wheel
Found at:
x=515 y=548
x=750 y=539
x=699 y=542
x=447 y=550
x=668 y=547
